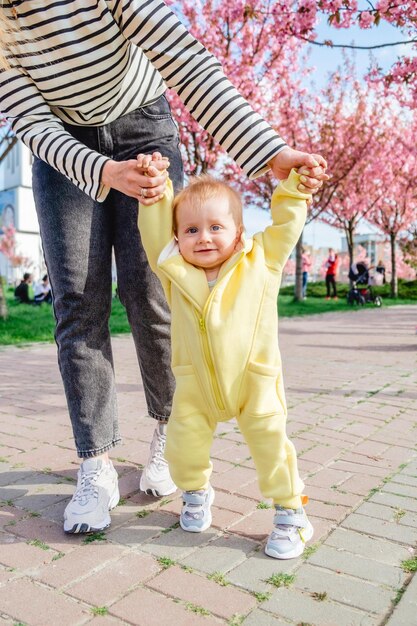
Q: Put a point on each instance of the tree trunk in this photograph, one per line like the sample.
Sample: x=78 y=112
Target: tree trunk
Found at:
x=394 y=281
x=3 y=302
x=298 y=293
x=350 y=244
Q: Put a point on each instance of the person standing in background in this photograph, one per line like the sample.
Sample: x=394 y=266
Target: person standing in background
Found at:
x=332 y=264
x=306 y=265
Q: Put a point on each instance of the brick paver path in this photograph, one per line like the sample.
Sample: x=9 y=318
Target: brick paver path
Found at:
x=351 y=390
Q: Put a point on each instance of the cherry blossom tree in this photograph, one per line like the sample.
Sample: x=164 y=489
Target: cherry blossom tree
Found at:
x=395 y=211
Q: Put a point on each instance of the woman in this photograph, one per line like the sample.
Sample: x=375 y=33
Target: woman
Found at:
x=84 y=90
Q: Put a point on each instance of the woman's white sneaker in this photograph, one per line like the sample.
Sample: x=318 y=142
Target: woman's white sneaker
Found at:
x=156 y=479
x=97 y=492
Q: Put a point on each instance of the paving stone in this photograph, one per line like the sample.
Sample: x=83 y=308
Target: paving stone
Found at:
x=379 y=528
x=203 y=592
x=260 y=618
x=157 y=610
x=114 y=579
x=177 y=544
x=301 y=607
x=361 y=544
x=404 y=479
x=45 y=530
x=78 y=563
x=350 y=591
x=220 y=555
x=406 y=611
x=138 y=530
x=16 y=553
x=391 y=499
x=253 y=573
x=41 y=605
x=409 y=491
x=340 y=560
x=388 y=513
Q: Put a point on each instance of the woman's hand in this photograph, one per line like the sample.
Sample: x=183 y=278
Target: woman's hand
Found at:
x=312 y=170
x=143 y=178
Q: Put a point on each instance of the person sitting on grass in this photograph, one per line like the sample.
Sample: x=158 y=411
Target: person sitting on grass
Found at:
x=222 y=291
x=21 y=293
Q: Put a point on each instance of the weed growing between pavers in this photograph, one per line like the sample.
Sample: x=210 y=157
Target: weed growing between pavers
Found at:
x=218 y=578
x=187 y=569
x=399 y=513
x=122 y=501
x=100 y=536
x=409 y=565
x=168 y=530
x=142 y=513
x=58 y=556
x=38 y=544
x=262 y=596
x=263 y=505
x=99 y=610
x=400 y=593
x=165 y=562
x=236 y=620
x=310 y=550
x=196 y=609
x=319 y=595
x=281 y=580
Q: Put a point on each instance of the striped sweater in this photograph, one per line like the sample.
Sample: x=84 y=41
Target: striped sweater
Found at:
x=90 y=62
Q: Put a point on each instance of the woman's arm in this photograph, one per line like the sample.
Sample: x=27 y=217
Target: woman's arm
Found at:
x=198 y=78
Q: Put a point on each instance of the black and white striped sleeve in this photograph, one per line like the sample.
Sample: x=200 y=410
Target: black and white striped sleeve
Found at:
x=43 y=133
x=198 y=78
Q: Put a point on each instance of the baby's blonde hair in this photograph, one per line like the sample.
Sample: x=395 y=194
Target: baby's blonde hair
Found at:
x=202 y=188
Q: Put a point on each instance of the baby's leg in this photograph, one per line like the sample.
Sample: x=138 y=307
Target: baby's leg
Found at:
x=187 y=450
x=274 y=457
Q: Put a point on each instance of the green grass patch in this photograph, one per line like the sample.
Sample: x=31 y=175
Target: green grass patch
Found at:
x=218 y=578
x=165 y=562
x=409 y=565
x=262 y=596
x=33 y=324
x=99 y=536
x=281 y=580
x=196 y=609
x=263 y=505
x=38 y=544
x=99 y=610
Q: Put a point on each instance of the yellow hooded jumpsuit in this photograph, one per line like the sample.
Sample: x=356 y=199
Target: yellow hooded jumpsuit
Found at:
x=225 y=354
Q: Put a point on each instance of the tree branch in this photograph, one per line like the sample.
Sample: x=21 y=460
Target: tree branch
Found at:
x=330 y=44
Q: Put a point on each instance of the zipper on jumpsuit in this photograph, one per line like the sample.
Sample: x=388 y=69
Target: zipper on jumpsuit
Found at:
x=210 y=363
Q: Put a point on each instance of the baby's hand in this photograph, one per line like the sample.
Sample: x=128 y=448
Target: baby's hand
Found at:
x=153 y=175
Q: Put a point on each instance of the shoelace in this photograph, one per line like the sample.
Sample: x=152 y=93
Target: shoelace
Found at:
x=158 y=449
x=88 y=486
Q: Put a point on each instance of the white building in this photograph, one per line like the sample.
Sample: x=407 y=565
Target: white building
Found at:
x=17 y=208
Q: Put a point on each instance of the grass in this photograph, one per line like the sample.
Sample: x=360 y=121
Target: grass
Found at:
x=218 y=578
x=409 y=565
x=281 y=580
x=30 y=324
x=165 y=562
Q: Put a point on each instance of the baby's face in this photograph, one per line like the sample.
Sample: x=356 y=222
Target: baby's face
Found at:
x=207 y=235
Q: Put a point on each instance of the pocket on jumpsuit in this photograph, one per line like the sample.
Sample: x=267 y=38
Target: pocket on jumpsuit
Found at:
x=187 y=397
x=260 y=395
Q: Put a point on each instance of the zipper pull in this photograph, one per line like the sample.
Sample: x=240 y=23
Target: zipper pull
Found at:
x=202 y=325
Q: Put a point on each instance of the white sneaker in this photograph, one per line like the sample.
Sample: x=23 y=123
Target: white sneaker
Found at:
x=156 y=480
x=97 y=492
x=196 y=510
x=292 y=529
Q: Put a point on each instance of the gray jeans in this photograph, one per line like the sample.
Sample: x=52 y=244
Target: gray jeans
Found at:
x=78 y=235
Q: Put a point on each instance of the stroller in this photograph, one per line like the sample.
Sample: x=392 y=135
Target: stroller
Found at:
x=361 y=291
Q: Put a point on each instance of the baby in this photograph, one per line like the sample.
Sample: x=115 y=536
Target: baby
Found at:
x=222 y=290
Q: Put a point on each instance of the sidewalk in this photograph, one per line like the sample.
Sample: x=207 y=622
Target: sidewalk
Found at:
x=352 y=396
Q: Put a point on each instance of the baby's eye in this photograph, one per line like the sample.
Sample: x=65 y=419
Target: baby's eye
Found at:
x=215 y=227
x=192 y=230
